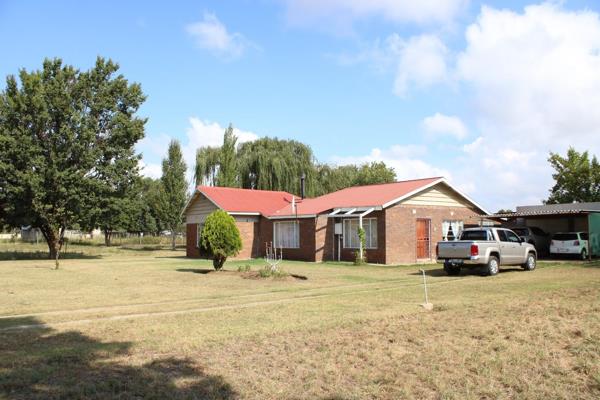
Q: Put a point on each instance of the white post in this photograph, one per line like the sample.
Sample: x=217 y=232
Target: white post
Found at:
x=425 y=285
x=360 y=226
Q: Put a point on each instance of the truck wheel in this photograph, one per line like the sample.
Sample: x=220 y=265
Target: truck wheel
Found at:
x=584 y=254
x=493 y=266
x=531 y=262
x=451 y=269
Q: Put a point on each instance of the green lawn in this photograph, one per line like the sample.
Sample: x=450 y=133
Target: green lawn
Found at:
x=145 y=322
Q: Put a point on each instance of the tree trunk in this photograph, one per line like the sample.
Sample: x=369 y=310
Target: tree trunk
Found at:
x=107 y=237
x=54 y=241
x=173 y=236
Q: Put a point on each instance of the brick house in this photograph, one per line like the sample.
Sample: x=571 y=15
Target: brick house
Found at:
x=402 y=220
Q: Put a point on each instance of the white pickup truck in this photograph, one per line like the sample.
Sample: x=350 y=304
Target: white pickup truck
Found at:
x=488 y=248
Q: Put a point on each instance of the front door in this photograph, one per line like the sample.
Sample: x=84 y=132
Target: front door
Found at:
x=423 y=239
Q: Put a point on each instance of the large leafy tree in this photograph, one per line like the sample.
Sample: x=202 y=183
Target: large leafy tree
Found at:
x=143 y=216
x=64 y=134
x=332 y=178
x=174 y=187
x=227 y=174
x=576 y=178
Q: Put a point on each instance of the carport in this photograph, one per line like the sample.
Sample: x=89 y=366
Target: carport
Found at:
x=553 y=218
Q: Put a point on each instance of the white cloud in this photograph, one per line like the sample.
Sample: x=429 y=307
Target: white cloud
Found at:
x=535 y=77
x=422 y=63
x=471 y=148
x=206 y=133
x=200 y=133
x=405 y=159
x=212 y=35
x=339 y=15
x=440 y=124
x=417 y=62
x=150 y=170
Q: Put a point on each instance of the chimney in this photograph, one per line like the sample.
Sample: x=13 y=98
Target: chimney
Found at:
x=302 y=185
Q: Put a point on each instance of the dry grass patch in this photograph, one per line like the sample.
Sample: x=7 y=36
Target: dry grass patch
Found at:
x=151 y=324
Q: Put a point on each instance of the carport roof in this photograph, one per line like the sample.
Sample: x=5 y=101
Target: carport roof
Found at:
x=551 y=209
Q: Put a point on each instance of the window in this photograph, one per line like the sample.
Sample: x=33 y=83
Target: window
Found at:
x=563 y=237
x=502 y=235
x=475 y=235
x=584 y=236
x=286 y=235
x=451 y=229
x=512 y=237
x=351 y=240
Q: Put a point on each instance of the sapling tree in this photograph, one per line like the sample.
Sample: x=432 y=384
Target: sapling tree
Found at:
x=220 y=237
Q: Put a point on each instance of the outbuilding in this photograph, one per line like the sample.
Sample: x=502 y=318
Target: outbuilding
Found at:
x=553 y=218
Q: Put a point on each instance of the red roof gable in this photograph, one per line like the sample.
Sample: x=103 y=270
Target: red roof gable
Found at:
x=246 y=200
x=278 y=204
x=357 y=196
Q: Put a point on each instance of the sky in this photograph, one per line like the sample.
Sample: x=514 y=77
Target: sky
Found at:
x=478 y=92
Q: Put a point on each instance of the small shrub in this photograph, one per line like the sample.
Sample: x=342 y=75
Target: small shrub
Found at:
x=221 y=237
x=244 y=268
x=266 y=272
x=358 y=260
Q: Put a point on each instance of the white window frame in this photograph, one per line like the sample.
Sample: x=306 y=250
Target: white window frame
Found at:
x=296 y=235
x=369 y=236
x=461 y=227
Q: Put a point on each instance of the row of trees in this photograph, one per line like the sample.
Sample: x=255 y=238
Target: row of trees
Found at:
x=67 y=155
x=275 y=164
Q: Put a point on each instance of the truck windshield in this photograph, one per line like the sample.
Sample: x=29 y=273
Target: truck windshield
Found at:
x=474 y=235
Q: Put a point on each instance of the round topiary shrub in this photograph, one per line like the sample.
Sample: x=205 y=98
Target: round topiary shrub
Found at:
x=220 y=237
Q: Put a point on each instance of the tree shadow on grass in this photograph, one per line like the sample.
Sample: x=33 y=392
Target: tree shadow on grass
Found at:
x=43 y=255
x=203 y=271
x=40 y=363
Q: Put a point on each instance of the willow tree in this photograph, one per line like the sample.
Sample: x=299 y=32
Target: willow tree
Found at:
x=274 y=164
x=64 y=135
x=207 y=165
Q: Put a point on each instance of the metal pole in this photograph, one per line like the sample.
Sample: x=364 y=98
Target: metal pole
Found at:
x=425 y=285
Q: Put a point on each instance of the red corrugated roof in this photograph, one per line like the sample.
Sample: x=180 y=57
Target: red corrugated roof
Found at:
x=265 y=202
x=358 y=196
x=278 y=204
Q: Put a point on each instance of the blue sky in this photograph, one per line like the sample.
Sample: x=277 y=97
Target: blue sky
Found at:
x=477 y=91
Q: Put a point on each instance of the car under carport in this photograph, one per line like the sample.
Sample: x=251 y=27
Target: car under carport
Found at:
x=553 y=218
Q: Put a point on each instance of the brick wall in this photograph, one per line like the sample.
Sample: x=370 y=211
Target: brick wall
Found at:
x=324 y=228
x=249 y=231
x=401 y=228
